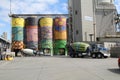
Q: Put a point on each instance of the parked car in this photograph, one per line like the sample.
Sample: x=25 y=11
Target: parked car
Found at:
x=119 y=62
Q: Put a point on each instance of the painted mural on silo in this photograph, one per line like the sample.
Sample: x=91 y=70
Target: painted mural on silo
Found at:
x=60 y=32
x=60 y=36
x=46 y=43
x=31 y=29
x=17 y=33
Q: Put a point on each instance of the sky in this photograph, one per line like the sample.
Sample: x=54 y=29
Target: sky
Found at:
x=32 y=7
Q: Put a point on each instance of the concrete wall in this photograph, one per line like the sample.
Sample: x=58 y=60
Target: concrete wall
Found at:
x=105 y=23
x=115 y=52
x=82 y=19
x=87 y=19
x=77 y=24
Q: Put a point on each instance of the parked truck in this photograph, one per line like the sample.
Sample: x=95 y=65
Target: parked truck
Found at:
x=82 y=49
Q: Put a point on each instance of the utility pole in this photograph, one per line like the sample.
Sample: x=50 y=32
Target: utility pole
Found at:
x=10 y=8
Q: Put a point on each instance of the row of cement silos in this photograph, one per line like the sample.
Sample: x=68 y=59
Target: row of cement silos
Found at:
x=46 y=34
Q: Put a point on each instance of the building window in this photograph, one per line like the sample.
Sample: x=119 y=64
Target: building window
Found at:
x=76 y=12
x=77 y=32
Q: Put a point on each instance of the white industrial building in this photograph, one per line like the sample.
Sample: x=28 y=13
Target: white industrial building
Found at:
x=91 y=19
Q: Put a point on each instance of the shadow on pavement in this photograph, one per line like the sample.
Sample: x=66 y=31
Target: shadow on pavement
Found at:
x=115 y=70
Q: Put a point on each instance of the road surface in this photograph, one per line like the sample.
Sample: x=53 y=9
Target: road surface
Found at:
x=59 y=68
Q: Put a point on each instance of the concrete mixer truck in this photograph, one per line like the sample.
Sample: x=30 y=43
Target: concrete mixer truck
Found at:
x=81 y=49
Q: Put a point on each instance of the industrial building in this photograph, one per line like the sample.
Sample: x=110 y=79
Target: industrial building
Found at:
x=4 y=44
x=91 y=20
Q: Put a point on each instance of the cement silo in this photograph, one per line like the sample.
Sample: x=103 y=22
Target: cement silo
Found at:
x=31 y=31
x=17 y=34
x=46 y=42
x=60 y=36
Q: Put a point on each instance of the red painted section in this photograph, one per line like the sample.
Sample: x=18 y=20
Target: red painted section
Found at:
x=32 y=33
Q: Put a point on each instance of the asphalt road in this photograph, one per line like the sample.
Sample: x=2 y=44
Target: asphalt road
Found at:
x=59 y=68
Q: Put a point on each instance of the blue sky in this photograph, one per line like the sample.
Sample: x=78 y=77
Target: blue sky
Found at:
x=30 y=7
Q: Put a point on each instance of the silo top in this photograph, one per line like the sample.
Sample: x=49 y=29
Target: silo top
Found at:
x=60 y=21
x=31 y=21
x=46 y=22
x=17 y=22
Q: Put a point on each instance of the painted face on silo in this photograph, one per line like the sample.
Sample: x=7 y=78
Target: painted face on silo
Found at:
x=46 y=22
x=60 y=24
x=60 y=28
x=46 y=28
x=17 y=22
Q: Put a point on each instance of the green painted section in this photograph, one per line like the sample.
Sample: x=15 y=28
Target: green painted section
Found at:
x=60 y=44
x=47 y=44
x=17 y=33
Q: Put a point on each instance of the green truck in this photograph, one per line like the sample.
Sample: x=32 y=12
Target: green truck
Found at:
x=82 y=49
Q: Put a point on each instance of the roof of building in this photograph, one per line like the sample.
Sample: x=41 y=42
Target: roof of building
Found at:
x=5 y=40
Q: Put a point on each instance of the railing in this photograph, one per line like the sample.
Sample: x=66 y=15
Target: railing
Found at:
x=105 y=7
x=15 y=15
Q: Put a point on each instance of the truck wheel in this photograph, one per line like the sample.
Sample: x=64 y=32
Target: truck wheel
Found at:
x=0 y=57
x=99 y=55
x=72 y=55
x=93 y=55
x=79 y=54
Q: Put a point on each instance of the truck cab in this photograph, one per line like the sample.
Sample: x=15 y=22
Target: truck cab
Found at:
x=99 y=51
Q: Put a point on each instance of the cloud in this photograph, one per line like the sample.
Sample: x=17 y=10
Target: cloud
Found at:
x=5 y=4
x=2 y=25
x=31 y=7
x=65 y=6
x=46 y=1
x=4 y=16
x=117 y=4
